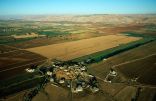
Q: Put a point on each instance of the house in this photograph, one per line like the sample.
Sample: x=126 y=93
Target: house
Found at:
x=30 y=70
x=79 y=88
x=112 y=73
x=62 y=80
x=94 y=89
x=49 y=73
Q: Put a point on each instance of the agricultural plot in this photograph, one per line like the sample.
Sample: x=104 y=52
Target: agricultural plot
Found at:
x=52 y=93
x=75 y=49
x=143 y=68
x=129 y=55
x=107 y=93
x=5 y=49
x=13 y=61
x=55 y=93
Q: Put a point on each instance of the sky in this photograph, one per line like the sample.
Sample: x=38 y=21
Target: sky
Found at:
x=47 y=7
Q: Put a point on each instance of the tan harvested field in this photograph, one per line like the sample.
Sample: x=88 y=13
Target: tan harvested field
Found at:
x=75 y=49
x=94 y=30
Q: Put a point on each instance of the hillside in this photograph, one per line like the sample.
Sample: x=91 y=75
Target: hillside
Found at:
x=96 y=18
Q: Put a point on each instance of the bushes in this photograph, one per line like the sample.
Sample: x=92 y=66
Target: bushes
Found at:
x=52 y=33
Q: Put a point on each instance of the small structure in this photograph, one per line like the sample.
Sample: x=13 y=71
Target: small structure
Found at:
x=112 y=73
x=30 y=70
x=94 y=89
x=110 y=76
x=79 y=88
x=51 y=79
x=134 y=79
x=62 y=80
x=83 y=68
x=49 y=73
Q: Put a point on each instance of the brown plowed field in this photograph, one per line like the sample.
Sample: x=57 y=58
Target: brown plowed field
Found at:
x=13 y=61
x=144 y=68
x=75 y=49
x=5 y=49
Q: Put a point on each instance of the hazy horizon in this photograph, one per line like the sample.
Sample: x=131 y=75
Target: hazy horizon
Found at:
x=79 y=7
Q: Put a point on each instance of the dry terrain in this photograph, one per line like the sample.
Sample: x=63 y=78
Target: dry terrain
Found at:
x=108 y=92
x=13 y=61
x=143 y=68
x=75 y=49
x=86 y=35
x=96 y=18
x=95 y=30
x=102 y=68
x=140 y=62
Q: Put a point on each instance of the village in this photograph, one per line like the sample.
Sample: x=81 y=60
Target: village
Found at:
x=70 y=75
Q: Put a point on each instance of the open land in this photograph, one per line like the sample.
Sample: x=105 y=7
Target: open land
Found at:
x=14 y=61
x=136 y=62
x=71 y=50
x=70 y=37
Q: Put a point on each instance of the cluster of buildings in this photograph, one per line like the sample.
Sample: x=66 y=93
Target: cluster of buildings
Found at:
x=71 y=75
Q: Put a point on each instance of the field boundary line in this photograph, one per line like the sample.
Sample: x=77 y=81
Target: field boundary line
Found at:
x=134 y=60
x=23 y=65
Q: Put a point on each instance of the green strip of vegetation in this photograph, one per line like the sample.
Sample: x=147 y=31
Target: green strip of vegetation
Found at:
x=98 y=56
x=134 y=34
x=52 y=33
x=11 y=41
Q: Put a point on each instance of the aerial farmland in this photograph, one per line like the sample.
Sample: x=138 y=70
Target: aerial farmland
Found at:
x=75 y=49
x=76 y=58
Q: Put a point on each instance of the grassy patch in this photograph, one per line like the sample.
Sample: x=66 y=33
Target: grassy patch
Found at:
x=52 y=33
x=135 y=34
x=12 y=41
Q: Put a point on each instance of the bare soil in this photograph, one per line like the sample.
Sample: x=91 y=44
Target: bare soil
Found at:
x=14 y=61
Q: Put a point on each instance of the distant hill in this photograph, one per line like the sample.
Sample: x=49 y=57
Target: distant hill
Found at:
x=97 y=18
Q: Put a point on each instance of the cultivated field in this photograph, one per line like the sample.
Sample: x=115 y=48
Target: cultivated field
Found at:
x=78 y=36
x=102 y=68
x=143 y=68
x=138 y=62
x=13 y=61
x=75 y=49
